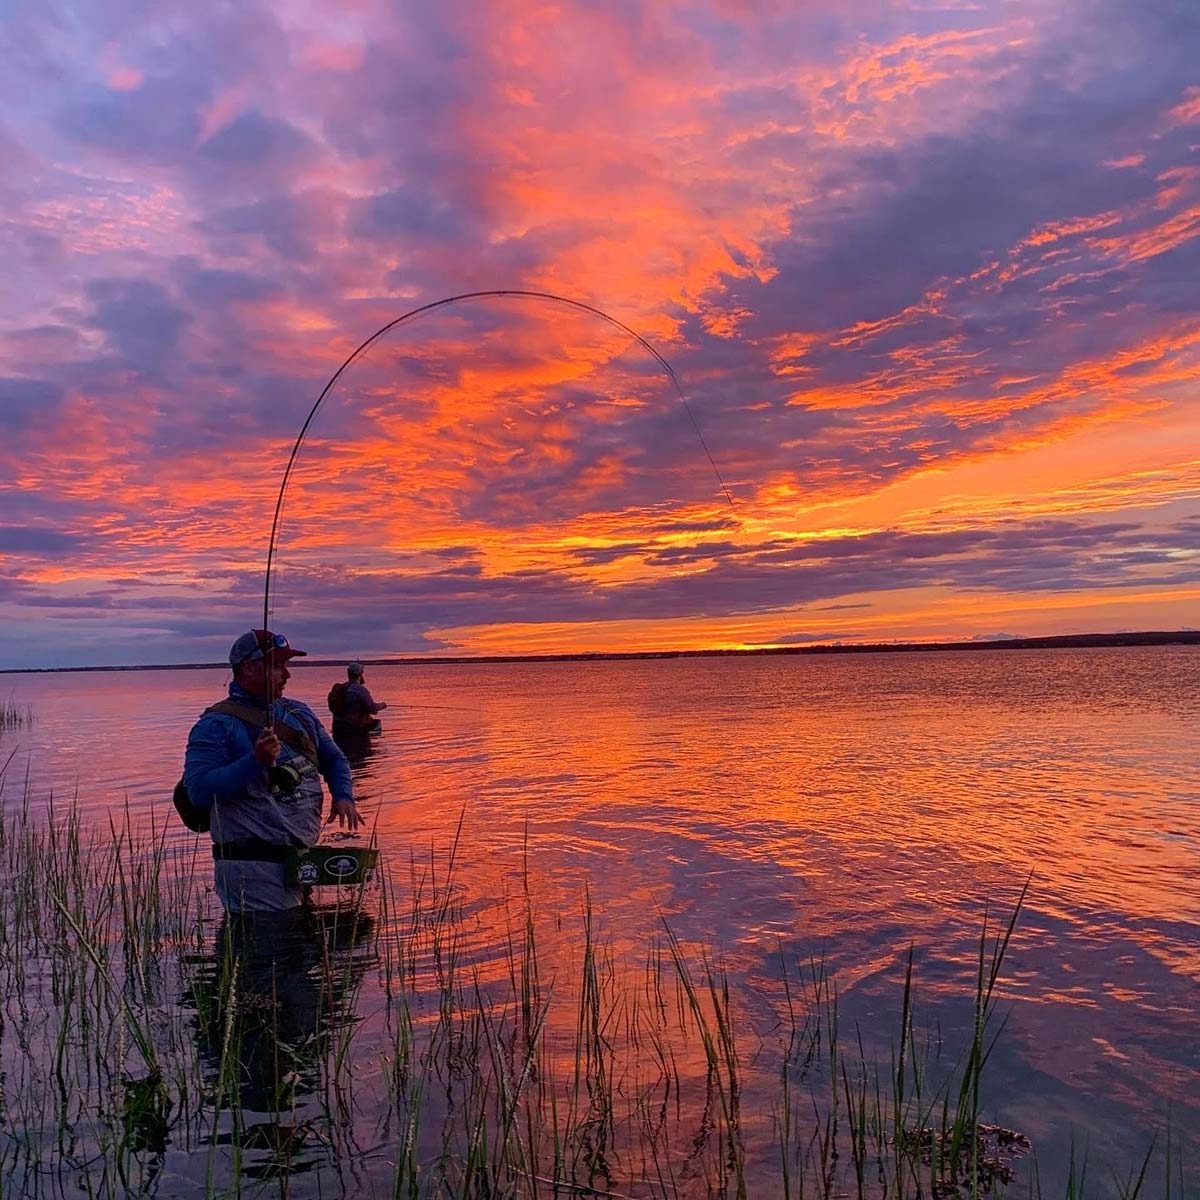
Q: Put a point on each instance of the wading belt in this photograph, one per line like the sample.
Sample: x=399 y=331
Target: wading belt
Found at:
x=288 y=735
x=250 y=850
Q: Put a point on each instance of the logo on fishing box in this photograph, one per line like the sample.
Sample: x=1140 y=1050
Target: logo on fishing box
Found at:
x=341 y=866
x=307 y=873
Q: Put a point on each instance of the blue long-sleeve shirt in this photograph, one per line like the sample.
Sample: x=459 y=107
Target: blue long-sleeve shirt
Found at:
x=220 y=762
x=222 y=774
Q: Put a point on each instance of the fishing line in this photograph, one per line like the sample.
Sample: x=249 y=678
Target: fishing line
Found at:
x=431 y=307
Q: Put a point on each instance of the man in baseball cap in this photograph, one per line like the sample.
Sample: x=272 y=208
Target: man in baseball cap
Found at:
x=256 y=761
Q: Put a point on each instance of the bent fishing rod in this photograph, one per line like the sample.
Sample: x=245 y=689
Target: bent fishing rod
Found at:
x=423 y=310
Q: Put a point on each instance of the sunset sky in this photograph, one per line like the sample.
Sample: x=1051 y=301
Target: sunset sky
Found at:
x=928 y=274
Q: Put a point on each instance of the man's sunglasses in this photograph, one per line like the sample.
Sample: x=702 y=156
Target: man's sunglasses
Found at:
x=268 y=642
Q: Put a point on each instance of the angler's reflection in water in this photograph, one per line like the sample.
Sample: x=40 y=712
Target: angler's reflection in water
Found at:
x=270 y=1002
x=358 y=745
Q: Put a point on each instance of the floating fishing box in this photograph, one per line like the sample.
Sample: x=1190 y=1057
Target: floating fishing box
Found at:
x=331 y=865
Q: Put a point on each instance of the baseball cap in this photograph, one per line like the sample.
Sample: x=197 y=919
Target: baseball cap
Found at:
x=255 y=643
x=354 y=668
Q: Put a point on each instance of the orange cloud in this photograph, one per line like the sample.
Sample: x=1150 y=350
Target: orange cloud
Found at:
x=1187 y=111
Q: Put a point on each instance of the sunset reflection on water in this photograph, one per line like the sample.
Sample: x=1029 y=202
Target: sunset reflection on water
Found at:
x=785 y=809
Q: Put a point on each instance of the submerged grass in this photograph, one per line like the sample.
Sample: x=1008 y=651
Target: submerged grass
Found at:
x=139 y=1054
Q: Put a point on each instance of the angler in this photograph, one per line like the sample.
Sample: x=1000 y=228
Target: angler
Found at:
x=254 y=765
x=355 y=711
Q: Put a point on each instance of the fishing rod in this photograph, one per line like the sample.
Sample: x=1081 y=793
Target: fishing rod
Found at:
x=422 y=310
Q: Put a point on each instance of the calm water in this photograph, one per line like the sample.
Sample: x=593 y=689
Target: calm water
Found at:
x=788 y=807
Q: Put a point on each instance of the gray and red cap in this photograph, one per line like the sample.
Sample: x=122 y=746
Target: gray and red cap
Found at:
x=258 y=643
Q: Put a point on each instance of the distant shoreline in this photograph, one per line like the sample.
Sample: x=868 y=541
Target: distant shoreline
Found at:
x=1182 y=637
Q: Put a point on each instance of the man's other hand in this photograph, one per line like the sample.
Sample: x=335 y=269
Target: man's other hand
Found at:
x=348 y=816
x=266 y=748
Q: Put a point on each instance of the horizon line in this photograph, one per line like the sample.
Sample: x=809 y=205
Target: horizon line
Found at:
x=1046 y=641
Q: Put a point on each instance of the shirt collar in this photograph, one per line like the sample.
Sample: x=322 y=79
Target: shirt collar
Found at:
x=239 y=693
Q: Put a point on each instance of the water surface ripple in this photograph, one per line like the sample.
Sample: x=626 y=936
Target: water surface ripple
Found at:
x=843 y=807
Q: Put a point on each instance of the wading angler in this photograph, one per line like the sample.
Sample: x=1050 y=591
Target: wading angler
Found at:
x=254 y=765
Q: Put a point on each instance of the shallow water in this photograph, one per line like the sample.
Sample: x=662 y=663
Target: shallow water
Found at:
x=781 y=809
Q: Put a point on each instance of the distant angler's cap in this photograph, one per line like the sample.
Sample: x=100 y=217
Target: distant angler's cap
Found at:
x=256 y=643
x=354 y=668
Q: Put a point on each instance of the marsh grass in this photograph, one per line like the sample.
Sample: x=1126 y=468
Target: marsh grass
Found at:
x=14 y=715
x=403 y=1047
